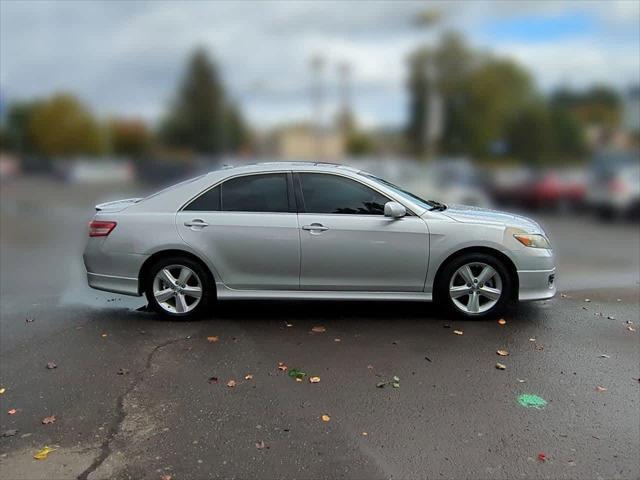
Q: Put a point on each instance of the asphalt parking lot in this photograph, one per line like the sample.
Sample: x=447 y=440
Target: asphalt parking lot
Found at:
x=135 y=396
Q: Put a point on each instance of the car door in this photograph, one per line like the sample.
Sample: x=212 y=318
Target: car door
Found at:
x=346 y=242
x=248 y=229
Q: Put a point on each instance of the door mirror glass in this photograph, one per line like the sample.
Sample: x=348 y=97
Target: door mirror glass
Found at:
x=394 y=210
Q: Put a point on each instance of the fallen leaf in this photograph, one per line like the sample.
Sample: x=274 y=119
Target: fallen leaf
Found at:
x=631 y=329
x=337 y=340
x=629 y=322
x=542 y=457
x=532 y=339
x=289 y=325
x=587 y=300
x=601 y=389
x=539 y=347
x=104 y=335
x=458 y=332
x=370 y=367
x=261 y=445
x=381 y=384
x=503 y=353
x=42 y=454
x=166 y=476
x=282 y=366
x=501 y=366
x=519 y=380
x=231 y=383
x=48 y=420
x=319 y=329
x=502 y=321
x=610 y=317
x=28 y=319
x=13 y=411
x=563 y=295
x=604 y=355
x=213 y=379
x=297 y=374
x=364 y=434
x=8 y=433
x=248 y=376
x=2 y=390
x=314 y=379
x=325 y=418
x=123 y=371
x=51 y=365
x=212 y=339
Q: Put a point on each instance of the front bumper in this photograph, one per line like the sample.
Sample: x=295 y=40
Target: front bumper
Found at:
x=536 y=284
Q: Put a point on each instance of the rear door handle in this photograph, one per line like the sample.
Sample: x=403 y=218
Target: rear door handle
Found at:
x=196 y=223
x=316 y=227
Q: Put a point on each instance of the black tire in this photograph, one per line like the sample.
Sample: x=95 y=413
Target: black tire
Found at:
x=443 y=281
x=204 y=276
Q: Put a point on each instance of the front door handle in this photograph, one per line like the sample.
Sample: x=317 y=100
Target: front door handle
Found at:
x=318 y=227
x=196 y=223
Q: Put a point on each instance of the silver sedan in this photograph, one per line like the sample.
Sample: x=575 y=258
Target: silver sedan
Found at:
x=313 y=231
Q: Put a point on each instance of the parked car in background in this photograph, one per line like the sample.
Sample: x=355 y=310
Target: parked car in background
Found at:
x=560 y=190
x=313 y=231
x=614 y=186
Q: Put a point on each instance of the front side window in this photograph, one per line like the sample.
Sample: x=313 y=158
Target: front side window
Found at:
x=326 y=193
x=255 y=193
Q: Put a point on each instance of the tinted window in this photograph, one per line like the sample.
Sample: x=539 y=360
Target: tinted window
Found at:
x=255 y=193
x=333 y=194
x=207 y=202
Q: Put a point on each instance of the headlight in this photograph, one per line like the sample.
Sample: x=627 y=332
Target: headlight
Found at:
x=532 y=240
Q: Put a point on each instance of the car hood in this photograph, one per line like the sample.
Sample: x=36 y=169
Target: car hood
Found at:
x=468 y=214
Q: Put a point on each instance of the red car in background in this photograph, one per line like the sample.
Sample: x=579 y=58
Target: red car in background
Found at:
x=550 y=189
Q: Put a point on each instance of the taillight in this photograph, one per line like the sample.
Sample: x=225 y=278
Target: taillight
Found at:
x=99 y=228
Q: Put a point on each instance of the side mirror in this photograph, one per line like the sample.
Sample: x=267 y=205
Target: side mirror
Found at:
x=394 y=210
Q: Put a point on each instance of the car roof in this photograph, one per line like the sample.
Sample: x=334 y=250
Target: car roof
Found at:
x=283 y=166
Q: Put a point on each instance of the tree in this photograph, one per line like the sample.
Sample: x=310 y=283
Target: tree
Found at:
x=598 y=105
x=16 y=128
x=129 y=138
x=196 y=119
x=479 y=94
x=62 y=126
x=530 y=135
x=237 y=136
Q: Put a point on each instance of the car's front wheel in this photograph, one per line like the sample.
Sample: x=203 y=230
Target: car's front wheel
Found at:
x=178 y=287
x=475 y=285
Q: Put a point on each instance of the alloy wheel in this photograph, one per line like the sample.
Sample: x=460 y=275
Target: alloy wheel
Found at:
x=177 y=289
x=475 y=288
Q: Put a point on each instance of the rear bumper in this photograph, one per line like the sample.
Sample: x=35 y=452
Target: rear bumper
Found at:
x=536 y=284
x=109 y=283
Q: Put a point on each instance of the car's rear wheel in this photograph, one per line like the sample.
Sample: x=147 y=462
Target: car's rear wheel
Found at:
x=178 y=287
x=475 y=285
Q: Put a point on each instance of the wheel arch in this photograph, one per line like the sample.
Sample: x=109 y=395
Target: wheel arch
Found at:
x=146 y=266
x=511 y=267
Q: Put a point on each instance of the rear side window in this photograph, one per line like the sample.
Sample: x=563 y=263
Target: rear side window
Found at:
x=255 y=193
x=325 y=193
x=207 y=202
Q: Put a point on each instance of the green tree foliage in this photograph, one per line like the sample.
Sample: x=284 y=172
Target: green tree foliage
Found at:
x=201 y=119
x=129 y=138
x=530 y=135
x=358 y=143
x=16 y=128
x=63 y=126
x=598 y=105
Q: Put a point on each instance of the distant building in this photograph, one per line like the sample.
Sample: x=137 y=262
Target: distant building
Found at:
x=304 y=142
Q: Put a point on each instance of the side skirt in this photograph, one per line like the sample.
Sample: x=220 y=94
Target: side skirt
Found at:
x=226 y=293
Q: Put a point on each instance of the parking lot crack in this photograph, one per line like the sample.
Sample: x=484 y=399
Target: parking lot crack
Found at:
x=121 y=414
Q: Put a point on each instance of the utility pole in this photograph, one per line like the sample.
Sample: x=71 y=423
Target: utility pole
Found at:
x=345 y=115
x=317 y=68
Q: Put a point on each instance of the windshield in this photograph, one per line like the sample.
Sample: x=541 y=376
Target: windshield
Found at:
x=428 y=204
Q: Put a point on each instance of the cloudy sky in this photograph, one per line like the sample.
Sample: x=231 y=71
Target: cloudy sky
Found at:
x=126 y=58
